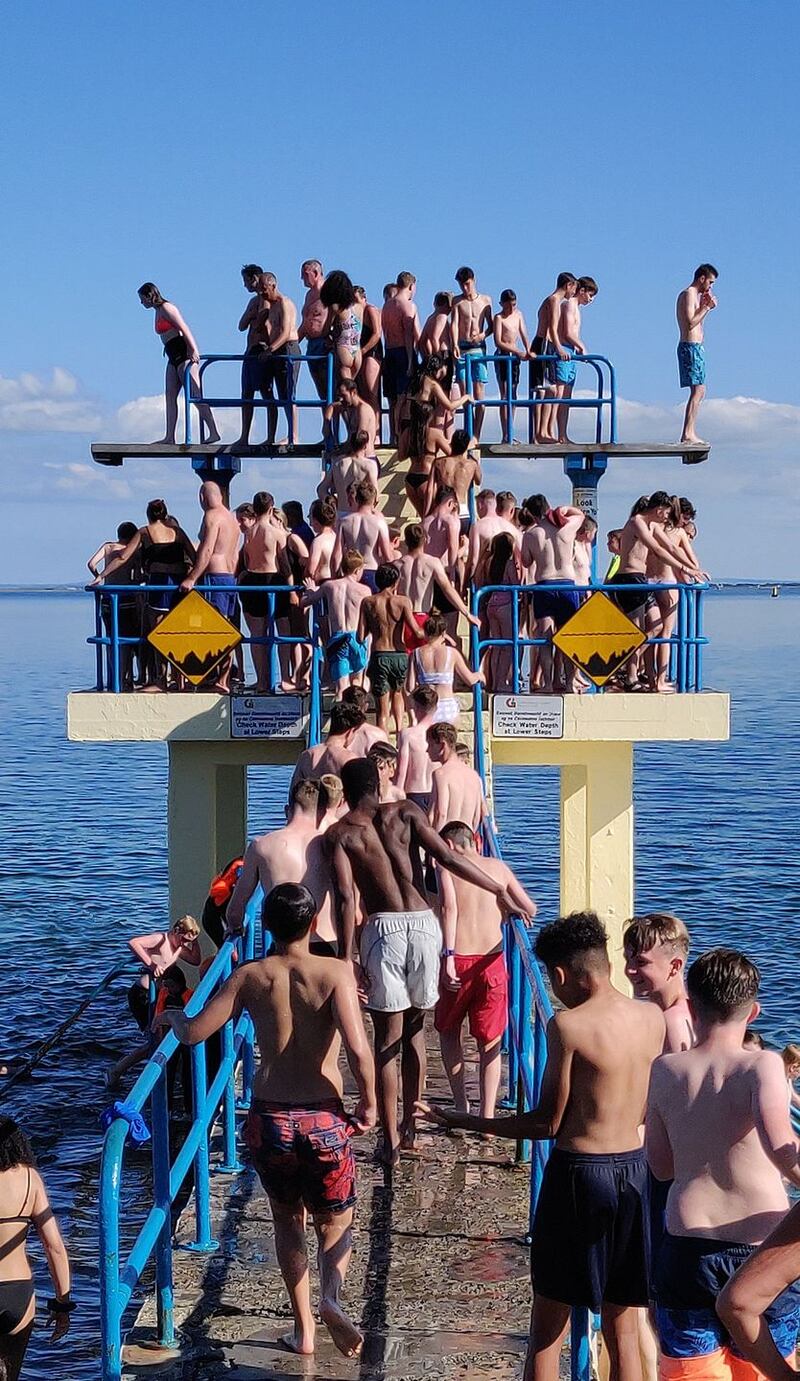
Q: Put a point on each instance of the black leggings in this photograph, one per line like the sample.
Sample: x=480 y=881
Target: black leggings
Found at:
x=13 y=1347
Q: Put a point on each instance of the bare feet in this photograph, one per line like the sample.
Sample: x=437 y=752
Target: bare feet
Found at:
x=408 y=1139
x=343 y=1331
x=387 y=1154
x=302 y=1343
x=164 y=441
x=693 y=441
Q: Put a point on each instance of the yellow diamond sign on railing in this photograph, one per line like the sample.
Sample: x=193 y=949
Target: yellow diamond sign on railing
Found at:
x=194 y=637
x=599 y=638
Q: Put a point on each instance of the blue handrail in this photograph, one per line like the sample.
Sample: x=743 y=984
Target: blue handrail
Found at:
x=289 y=400
x=685 y=644
x=119 y=1277
x=506 y=400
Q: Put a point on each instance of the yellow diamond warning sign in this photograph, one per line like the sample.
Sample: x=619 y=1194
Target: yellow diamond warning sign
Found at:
x=194 y=637
x=599 y=638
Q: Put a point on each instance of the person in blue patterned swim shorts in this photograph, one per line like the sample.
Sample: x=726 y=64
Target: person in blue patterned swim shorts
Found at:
x=692 y=308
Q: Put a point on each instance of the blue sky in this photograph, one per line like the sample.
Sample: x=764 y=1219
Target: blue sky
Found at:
x=625 y=141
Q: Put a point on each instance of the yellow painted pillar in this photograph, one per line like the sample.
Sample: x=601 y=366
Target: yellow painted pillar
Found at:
x=597 y=840
x=206 y=823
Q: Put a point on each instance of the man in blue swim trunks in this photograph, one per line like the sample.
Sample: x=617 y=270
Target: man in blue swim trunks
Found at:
x=692 y=308
x=472 y=321
x=718 y=1127
x=590 y=1239
x=347 y=655
x=564 y=371
x=215 y=563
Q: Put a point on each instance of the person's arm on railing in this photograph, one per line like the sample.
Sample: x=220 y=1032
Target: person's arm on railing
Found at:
x=246 y=885
x=527 y=906
x=119 y=560
x=460 y=669
x=223 y=1006
x=540 y=1123
x=350 y=1024
x=100 y=555
x=49 y=1233
x=438 y=396
x=144 y=946
x=448 y=589
x=656 y=544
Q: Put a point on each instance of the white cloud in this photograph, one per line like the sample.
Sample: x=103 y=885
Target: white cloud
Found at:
x=31 y=403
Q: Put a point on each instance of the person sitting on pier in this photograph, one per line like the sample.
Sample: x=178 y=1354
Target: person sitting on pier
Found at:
x=293 y=853
x=280 y=366
x=456 y=789
x=414 y=766
x=180 y=348
x=342 y=598
x=718 y=1128
x=366 y=531
x=474 y=983
x=656 y=948
x=304 y=1007
x=692 y=308
x=459 y=471
x=400 y=323
x=547 y=341
x=369 y=378
x=383 y=618
x=252 y=321
x=590 y=1231
x=375 y=853
x=348 y=468
x=510 y=332
x=471 y=325
x=569 y=331
x=548 y=553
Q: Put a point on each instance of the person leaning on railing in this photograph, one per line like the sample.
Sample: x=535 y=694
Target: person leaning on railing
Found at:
x=24 y=1203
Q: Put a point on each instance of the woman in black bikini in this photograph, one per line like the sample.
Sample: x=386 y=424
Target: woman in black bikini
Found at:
x=23 y=1201
x=180 y=348
x=166 y=554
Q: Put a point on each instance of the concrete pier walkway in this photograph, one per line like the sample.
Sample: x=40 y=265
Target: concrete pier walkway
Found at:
x=439 y=1278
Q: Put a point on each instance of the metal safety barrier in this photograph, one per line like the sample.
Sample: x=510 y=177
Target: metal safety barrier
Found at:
x=537 y=399
x=686 y=643
x=120 y=1274
x=288 y=400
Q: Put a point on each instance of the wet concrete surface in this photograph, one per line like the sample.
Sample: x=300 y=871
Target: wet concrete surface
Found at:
x=438 y=1281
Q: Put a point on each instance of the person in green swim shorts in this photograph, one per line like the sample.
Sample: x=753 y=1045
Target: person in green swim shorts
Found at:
x=383 y=617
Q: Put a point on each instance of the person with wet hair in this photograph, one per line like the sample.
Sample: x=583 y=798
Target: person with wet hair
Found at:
x=181 y=350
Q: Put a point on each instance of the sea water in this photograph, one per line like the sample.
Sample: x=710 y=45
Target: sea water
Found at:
x=84 y=867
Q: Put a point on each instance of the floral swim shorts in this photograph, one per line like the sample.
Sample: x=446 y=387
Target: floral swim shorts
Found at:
x=303 y=1154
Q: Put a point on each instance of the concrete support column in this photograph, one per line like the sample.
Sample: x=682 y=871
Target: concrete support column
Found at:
x=597 y=840
x=207 y=821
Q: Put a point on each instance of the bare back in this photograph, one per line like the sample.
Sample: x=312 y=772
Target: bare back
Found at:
x=292 y=1002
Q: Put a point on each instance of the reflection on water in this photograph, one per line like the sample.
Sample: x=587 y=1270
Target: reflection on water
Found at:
x=85 y=866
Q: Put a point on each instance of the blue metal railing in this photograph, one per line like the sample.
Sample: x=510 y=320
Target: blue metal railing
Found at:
x=108 y=639
x=288 y=401
x=120 y=1277
x=603 y=399
x=686 y=643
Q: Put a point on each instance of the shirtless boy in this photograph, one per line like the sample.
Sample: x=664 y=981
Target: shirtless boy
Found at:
x=510 y=340
x=322 y=515
x=215 y=562
x=280 y=372
x=376 y=858
x=347 y=469
x=304 y=1007
x=252 y=321
x=474 y=982
x=590 y=1231
x=265 y=563
x=436 y=336
x=342 y=598
x=365 y=531
x=569 y=331
x=314 y=325
x=548 y=554
x=692 y=308
x=400 y=323
x=471 y=317
x=384 y=757
x=656 y=947
x=414 y=766
x=718 y=1127
x=339 y=747
x=495 y=514
x=547 y=341
x=358 y=416
x=383 y=618
x=457 y=790
x=426 y=582
x=643 y=534
x=582 y=553
x=291 y=854
x=460 y=470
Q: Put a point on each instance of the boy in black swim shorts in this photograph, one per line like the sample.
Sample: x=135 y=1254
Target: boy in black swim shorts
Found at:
x=590 y=1232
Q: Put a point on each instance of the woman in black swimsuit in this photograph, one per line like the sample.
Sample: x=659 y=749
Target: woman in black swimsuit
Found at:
x=369 y=376
x=166 y=555
x=23 y=1201
x=180 y=348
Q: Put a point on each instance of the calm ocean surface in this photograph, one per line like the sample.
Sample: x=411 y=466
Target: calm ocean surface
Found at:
x=84 y=866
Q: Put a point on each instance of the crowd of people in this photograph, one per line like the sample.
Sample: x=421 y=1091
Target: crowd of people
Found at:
x=388 y=601
x=386 y=351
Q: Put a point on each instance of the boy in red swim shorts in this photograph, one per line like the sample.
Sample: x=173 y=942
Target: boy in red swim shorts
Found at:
x=473 y=984
x=305 y=1007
